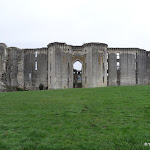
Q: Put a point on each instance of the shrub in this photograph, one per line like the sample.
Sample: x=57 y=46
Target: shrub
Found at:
x=41 y=86
x=13 y=88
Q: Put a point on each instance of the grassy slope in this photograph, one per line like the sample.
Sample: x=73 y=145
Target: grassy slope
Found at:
x=97 y=118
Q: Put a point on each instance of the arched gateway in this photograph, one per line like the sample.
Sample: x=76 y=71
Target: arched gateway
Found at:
x=77 y=74
x=53 y=66
x=93 y=59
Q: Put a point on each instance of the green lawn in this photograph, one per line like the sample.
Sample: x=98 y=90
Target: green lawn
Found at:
x=76 y=119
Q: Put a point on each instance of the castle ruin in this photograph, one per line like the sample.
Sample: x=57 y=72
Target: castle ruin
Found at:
x=53 y=66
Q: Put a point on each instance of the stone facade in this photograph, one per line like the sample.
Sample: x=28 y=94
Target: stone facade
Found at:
x=53 y=66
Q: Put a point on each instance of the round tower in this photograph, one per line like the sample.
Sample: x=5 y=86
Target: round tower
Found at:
x=95 y=64
x=59 y=65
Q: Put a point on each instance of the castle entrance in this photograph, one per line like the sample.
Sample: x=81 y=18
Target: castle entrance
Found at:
x=77 y=75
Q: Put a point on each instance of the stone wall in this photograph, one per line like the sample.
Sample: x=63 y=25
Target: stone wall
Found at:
x=20 y=73
x=35 y=68
x=132 y=66
x=53 y=66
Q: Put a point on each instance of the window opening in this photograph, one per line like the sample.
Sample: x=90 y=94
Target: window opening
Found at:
x=68 y=65
x=107 y=66
x=136 y=78
x=135 y=66
x=118 y=65
x=103 y=67
x=136 y=56
x=29 y=76
x=118 y=55
x=107 y=55
x=35 y=53
x=35 y=65
x=136 y=75
x=118 y=73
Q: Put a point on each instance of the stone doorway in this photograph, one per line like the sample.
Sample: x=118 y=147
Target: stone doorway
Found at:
x=77 y=75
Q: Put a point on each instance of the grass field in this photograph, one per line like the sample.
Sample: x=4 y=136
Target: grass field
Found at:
x=76 y=119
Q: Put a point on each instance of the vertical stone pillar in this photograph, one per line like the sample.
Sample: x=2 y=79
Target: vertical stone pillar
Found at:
x=2 y=64
x=112 y=67
x=141 y=67
x=51 y=66
x=20 y=73
x=128 y=66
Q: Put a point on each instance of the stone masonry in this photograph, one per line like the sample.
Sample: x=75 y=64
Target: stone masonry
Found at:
x=53 y=66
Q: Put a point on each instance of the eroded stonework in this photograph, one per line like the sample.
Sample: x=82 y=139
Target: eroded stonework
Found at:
x=53 y=66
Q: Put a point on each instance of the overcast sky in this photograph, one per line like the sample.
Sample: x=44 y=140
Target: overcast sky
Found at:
x=35 y=23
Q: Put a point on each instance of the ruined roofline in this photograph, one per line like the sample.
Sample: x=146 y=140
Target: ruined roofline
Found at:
x=125 y=48
x=76 y=47
x=56 y=43
x=14 y=48
x=35 y=49
x=3 y=45
x=86 y=44
x=94 y=44
x=89 y=44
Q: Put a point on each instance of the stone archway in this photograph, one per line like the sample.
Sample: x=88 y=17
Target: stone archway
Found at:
x=81 y=59
x=77 y=74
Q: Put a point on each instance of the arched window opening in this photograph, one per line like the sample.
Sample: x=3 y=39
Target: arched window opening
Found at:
x=77 y=65
x=77 y=75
